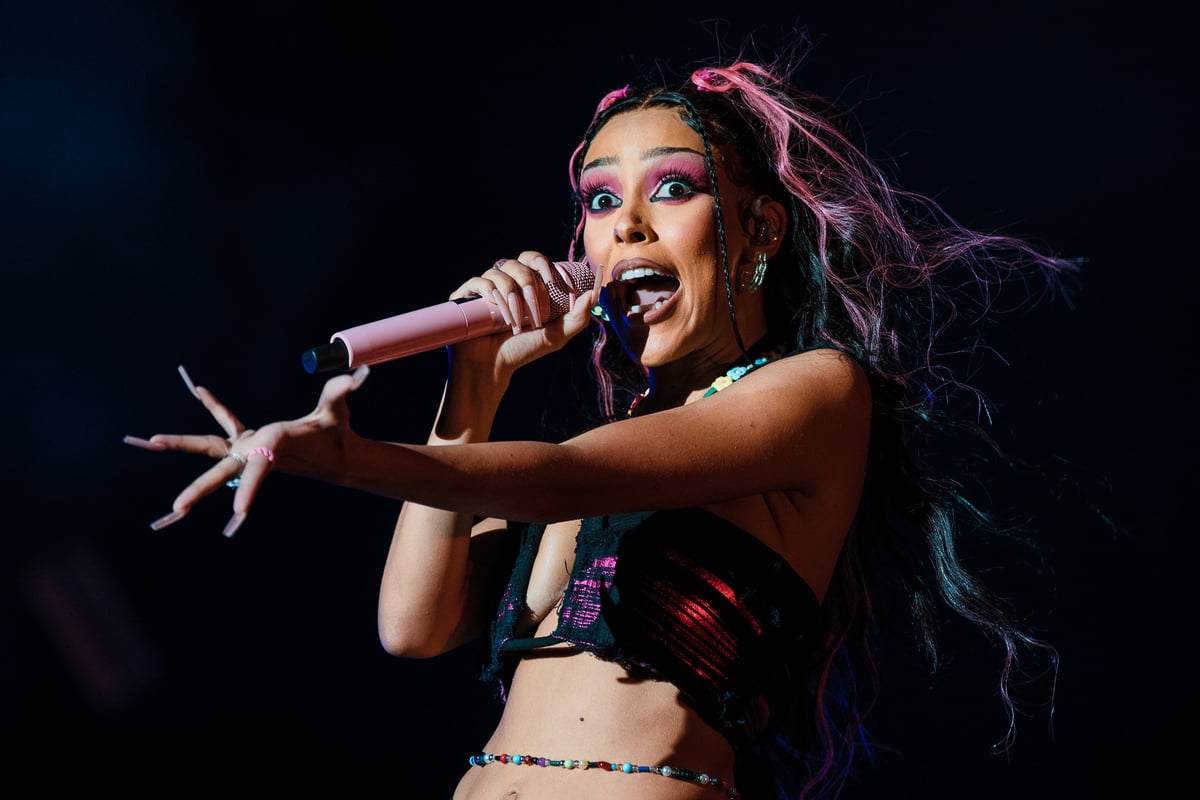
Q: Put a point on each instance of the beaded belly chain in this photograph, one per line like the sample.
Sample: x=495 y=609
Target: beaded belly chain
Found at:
x=626 y=767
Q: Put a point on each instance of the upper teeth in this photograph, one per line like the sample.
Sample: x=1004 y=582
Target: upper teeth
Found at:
x=640 y=272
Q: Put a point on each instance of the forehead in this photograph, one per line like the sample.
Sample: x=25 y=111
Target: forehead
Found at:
x=635 y=131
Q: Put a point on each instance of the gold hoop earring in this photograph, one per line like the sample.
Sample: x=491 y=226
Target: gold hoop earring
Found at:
x=753 y=281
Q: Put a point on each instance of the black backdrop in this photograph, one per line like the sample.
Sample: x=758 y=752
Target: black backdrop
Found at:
x=221 y=185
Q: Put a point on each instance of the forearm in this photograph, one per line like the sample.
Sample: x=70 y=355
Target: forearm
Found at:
x=426 y=603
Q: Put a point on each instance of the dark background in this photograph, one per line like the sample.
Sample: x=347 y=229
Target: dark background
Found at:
x=222 y=185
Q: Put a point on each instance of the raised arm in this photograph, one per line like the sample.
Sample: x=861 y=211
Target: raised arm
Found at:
x=441 y=567
x=800 y=424
x=436 y=576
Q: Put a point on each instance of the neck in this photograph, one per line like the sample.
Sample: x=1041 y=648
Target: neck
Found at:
x=680 y=382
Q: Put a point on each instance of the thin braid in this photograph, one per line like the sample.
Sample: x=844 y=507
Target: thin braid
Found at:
x=718 y=209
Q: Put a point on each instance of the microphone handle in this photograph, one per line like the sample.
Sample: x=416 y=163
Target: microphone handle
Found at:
x=436 y=326
x=407 y=334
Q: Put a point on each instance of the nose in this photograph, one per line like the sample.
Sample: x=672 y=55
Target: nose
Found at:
x=631 y=228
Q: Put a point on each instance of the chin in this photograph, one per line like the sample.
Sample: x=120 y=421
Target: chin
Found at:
x=655 y=352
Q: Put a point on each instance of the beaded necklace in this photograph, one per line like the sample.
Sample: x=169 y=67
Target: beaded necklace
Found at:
x=731 y=376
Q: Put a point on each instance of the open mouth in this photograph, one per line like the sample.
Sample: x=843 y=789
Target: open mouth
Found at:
x=642 y=290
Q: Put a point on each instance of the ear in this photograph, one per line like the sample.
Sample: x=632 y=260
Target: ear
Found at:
x=768 y=224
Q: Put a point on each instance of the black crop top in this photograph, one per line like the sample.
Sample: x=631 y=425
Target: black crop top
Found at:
x=682 y=596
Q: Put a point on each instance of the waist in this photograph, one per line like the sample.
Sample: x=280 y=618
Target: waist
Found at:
x=566 y=700
x=616 y=767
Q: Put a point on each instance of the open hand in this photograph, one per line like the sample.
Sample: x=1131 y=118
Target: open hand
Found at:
x=245 y=456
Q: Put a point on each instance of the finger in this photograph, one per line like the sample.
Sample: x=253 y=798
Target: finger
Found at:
x=537 y=295
x=224 y=417
x=258 y=463
x=579 y=316
x=206 y=444
x=359 y=377
x=209 y=481
x=487 y=289
x=531 y=274
x=145 y=444
x=337 y=387
x=508 y=292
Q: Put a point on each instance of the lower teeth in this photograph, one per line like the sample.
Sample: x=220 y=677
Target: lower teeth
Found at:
x=643 y=309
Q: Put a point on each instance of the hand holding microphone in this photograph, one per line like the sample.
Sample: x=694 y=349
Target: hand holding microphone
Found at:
x=438 y=325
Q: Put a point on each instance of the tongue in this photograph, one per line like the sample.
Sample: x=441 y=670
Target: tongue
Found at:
x=647 y=296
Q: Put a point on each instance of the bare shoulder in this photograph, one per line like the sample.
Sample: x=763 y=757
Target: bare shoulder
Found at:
x=823 y=381
x=801 y=424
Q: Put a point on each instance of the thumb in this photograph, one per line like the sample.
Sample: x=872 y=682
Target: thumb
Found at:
x=580 y=314
x=336 y=388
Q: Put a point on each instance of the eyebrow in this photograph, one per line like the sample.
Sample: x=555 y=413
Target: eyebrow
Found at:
x=653 y=152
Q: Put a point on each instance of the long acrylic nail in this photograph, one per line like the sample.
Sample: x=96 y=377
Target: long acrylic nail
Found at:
x=145 y=444
x=164 y=521
x=532 y=300
x=502 y=308
x=234 y=523
x=514 y=307
x=188 y=380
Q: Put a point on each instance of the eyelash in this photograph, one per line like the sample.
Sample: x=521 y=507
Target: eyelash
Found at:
x=591 y=194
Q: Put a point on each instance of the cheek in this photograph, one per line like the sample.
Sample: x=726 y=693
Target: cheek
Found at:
x=595 y=245
x=693 y=231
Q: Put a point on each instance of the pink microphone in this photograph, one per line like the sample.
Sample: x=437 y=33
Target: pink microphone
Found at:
x=438 y=325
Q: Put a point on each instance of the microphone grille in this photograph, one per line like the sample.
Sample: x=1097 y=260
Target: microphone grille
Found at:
x=571 y=278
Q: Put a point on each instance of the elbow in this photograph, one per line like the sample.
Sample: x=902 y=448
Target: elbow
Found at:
x=402 y=644
x=404 y=637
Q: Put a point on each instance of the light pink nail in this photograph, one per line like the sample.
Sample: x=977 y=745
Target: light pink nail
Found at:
x=187 y=379
x=514 y=307
x=502 y=308
x=164 y=521
x=532 y=299
x=234 y=523
x=145 y=444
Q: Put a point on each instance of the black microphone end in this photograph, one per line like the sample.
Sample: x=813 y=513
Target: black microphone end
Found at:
x=326 y=358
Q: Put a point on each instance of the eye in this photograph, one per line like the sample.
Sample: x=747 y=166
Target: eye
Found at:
x=673 y=189
x=599 y=201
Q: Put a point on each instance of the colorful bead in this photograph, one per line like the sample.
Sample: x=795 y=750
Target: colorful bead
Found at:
x=735 y=373
x=627 y=767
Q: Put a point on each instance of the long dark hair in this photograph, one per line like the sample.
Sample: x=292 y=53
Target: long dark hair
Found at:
x=885 y=275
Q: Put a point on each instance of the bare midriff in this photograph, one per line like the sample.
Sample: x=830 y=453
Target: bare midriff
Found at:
x=565 y=703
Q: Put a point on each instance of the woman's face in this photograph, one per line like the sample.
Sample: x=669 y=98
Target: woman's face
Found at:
x=650 y=229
